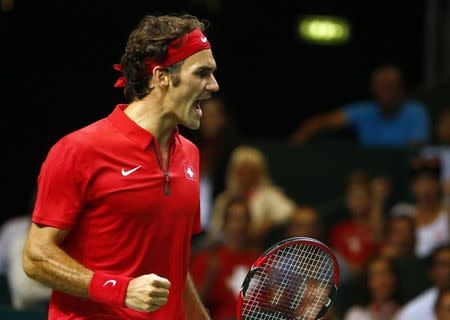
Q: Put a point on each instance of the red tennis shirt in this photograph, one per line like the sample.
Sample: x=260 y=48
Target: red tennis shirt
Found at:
x=127 y=213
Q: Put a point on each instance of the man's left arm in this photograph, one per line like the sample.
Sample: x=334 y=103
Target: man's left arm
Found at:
x=194 y=307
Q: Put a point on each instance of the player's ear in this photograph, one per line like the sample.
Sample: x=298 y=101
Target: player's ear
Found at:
x=160 y=77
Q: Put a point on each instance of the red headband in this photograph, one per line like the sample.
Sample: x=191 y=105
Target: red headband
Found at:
x=179 y=49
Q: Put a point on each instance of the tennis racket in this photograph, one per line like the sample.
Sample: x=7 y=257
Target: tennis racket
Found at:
x=295 y=279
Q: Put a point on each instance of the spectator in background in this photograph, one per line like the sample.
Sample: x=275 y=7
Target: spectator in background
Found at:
x=382 y=297
x=248 y=177
x=304 y=222
x=216 y=139
x=356 y=239
x=400 y=239
x=26 y=293
x=442 y=306
x=9 y=230
x=388 y=119
x=218 y=272
x=399 y=245
x=403 y=209
x=441 y=149
x=421 y=307
x=431 y=216
x=442 y=130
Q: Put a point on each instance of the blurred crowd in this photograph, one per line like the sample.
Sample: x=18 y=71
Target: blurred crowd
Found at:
x=394 y=255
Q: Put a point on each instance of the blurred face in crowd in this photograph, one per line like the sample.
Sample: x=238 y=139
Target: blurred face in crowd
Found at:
x=237 y=222
x=426 y=188
x=358 y=200
x=304 y=223
x=401 y=236
x=381 y=280
x=443 y=128
x=440 y=269
x=248 y=175
x=213 y=119
x=387 y=88
x=443 y=307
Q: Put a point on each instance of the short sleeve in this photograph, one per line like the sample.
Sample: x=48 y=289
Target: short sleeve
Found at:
x=60 y=192
x=420 y=123
x=356 y=113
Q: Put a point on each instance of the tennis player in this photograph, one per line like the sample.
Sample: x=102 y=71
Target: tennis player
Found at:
x=118 y=200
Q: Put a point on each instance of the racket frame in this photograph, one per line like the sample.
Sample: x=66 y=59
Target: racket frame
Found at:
x=278 y=246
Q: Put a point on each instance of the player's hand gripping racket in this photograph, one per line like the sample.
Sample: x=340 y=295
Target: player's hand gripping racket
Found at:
x=295 y=279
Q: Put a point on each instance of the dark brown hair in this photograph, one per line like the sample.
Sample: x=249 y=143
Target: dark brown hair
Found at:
x=150 y=40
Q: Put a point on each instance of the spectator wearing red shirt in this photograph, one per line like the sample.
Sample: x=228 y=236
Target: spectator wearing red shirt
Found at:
x=355 y=240
x=118 y=200
x=219 y=271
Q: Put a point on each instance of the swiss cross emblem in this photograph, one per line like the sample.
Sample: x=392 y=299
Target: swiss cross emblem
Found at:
x=189 y=172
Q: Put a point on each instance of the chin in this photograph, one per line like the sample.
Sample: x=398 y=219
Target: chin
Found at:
x=193 y=125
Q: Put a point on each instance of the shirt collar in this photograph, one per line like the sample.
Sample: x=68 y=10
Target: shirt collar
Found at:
x=131 y=129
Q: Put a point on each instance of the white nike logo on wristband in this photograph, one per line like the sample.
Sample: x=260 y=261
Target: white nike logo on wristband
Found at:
x=113 y=282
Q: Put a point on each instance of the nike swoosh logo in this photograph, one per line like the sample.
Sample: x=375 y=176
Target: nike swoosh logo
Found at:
x=113 y=282
x=203 y=39
x=127 y=172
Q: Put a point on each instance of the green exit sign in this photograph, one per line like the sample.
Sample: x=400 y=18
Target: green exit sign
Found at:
x=324 y=29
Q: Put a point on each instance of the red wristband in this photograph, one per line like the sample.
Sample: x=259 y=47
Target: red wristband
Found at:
x=109 y=289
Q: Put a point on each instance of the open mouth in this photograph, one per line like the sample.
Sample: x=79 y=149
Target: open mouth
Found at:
x=198 y=107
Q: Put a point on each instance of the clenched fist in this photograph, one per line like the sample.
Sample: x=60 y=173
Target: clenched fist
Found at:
x=147 y=293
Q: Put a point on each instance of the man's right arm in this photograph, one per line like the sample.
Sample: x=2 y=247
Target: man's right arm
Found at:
x=311 y=127
x=46 y=262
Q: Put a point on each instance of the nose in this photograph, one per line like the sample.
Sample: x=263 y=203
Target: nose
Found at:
x=212 y=85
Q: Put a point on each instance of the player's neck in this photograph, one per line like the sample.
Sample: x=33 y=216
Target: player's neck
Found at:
x=149 y=114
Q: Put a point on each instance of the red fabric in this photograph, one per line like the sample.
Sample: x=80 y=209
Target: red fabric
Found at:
x=108 y=288
x=221 y=301
x=179 y=49
x=120 y=220
x=353 y=242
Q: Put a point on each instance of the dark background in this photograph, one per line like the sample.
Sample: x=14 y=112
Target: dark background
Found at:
x=57 y=76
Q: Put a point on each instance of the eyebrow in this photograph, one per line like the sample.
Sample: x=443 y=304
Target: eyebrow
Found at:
x=206 y=68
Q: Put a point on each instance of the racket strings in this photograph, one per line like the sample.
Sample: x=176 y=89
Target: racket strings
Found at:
x=293 y=283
